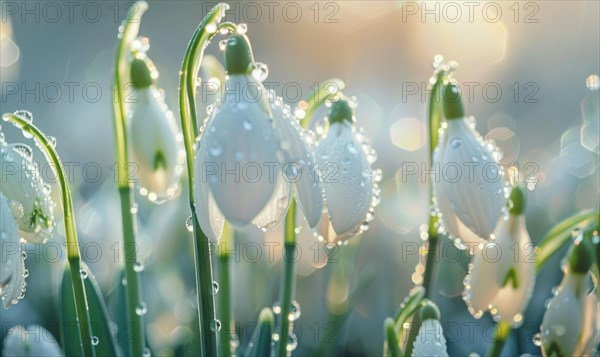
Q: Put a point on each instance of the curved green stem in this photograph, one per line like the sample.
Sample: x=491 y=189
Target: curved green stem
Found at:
x=128 y=32
x=73 y=256
x=289 y=278
x=325 y=91
x=225 y=304
x=192 y=61
x=435 y=121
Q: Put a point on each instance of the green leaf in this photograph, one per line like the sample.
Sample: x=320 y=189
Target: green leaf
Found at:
x=261 y=346
x=560 y=234
x=393 y=349
x=436 y=111
x=99 y=318
x=69 y=330
x=408 y=308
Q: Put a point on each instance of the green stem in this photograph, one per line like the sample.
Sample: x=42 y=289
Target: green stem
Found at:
x=435 y=120
x=289 y=278
x=324 y=92
x=225 y=304
x=135 y=326
x=189 y=123
x=502 y=333
x=73 y=255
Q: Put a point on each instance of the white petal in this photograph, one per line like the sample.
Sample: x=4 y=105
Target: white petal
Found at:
x=154 y=146
x=490 y=286
x=451 y=223
x=513 y=238
x=23 y=185
x=31 y=341
x=211 y=220
x=14 y=290
x=238 y=153
x=10 y=249
x=347 y=178
x=570 y=322
x=276 y=209
x=300 y=165
x=470 y=178
x=430 y=341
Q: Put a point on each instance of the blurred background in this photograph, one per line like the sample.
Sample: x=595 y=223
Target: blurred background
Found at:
x=524 y=64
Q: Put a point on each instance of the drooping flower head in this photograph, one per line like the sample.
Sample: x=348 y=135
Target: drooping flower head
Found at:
x=570 y=324
x=28 y=194
x=155 y=138
x=12 y=274
x=349 y=183
x=502 y=276
x=469 y=186
x=237 y=155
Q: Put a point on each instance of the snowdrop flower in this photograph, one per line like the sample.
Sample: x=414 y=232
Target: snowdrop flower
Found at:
x=349 y=183
x=29 y=196
x=469 y=187
x=570 y=324
x=33 y=340
x=430 y=341
x=501 y=278
x=154 y=137
x=298 y=170
x=13 y=273
x=237 y=154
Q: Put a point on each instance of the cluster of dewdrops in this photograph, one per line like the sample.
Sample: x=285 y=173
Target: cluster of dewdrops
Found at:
x=293 y=315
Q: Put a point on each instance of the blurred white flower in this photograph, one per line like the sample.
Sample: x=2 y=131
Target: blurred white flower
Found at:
x=13 y=273
x=349 y=183
x=33 y=340
x=502 y=276
x=570 y=324
x=154 y=137
x=469 y=185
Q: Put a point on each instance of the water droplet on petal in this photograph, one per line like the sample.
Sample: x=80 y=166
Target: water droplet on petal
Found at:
x=247 y=125
x=455 y=143
x=260 y=71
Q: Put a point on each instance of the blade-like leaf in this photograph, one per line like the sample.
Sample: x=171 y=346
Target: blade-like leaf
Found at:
x=261 y=344
x=69 y=331
x=560 y=234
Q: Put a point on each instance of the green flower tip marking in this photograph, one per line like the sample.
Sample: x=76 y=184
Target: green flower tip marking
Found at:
x=429 y=311
x=37 y=215
x=581 y=257
x=517 y=200
x=238 y=55
x=160 y=162
x=340 y=110
x=453 y=105
x=143 y=73
x=266 y=316
x=512 y=278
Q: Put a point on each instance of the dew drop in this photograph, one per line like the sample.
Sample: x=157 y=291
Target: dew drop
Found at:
x=295 y=311
x=242 y=28
x=215 y=149
x=189 y=224
x=215 y=287
x=146 y=352
x=537 y=339
x=84 y=273
x=25 y=115
x=592 y=82
x=247 y=125
x=455 y=143
x=211 y=27
x=51 y=141
x=138 y=267
x=141 y=309
x=222 y=45
x=215 y=325
x=26 y=273
x=292 y=342
x=260 y=71
x=95 y=340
